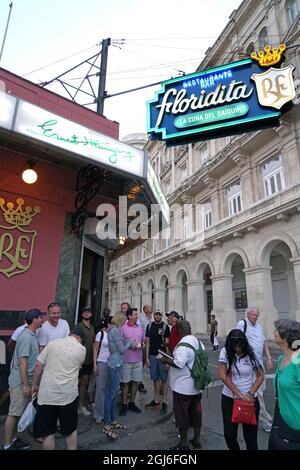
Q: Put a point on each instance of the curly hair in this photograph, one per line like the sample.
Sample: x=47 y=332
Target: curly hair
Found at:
x=234 y=338
x=290 y=331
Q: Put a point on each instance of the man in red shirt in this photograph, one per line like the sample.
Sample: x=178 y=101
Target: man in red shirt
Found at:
x=174 y=337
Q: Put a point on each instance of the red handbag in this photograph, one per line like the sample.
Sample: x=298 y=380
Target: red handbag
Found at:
x=243 y=412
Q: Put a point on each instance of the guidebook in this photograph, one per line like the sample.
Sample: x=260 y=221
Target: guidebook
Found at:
x=163 y=353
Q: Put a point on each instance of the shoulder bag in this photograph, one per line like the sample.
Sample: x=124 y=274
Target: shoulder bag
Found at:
x=243 y=412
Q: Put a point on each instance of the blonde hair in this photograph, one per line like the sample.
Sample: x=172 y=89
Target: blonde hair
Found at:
x=118 y=319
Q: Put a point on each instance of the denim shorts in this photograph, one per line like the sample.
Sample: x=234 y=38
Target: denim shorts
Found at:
x=157 y=370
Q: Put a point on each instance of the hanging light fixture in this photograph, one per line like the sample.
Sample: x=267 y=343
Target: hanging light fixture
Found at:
x=29 y=175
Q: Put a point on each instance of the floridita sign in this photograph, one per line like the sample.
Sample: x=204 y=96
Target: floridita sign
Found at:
x=225 y=100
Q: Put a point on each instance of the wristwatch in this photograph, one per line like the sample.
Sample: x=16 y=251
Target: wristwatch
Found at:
x=251 y=393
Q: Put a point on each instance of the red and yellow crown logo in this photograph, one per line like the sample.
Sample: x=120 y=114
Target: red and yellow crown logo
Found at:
x=269 y=56
x=18 y=216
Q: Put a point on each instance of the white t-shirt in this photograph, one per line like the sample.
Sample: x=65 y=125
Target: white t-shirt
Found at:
x=21 y=328
x=49 y=332
x=243 y=378
x=104 y=351
x=255 y=337
x=181 y=380
x=62 y=359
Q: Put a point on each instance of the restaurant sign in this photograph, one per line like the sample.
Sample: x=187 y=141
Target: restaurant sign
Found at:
x=224 y=100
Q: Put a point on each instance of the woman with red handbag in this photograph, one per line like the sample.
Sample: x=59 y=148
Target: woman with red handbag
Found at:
x=242 y=375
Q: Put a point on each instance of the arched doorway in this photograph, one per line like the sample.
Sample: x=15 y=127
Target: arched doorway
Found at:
x=183 y=301
x=234 y=266
x=239 y=289
x=208 y=297
x=277 y=256
x=151 y=290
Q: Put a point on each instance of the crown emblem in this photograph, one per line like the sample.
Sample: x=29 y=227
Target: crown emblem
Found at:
x=18 y=216
x=269 y=56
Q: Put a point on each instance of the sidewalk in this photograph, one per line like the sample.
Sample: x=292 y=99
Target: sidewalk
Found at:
x=90 y=435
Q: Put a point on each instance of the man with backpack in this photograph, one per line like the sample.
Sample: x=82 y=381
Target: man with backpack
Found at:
x=188 y=375
x=157 y=337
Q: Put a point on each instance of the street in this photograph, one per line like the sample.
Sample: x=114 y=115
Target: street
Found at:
x=150 y=430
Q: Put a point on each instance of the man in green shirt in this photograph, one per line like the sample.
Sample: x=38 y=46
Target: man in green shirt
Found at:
x=87 y=367
x=20 y=379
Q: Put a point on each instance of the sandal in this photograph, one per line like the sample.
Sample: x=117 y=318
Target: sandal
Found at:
x=117 y=425
x=110 y=433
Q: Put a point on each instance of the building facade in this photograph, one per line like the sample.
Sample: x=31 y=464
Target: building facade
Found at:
x=234 y=237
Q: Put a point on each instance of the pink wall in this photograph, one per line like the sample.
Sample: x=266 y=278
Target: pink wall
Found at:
x=54 y=194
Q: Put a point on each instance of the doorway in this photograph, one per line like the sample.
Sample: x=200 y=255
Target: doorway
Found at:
x=91 y=286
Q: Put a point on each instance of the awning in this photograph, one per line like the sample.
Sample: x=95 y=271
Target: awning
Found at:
x=82 y=144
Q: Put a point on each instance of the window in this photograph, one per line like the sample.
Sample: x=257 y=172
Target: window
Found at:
x=204 y=153
x=185 y=226
x=250 y=49
x=241 y=299
x=293 y=10
x=182 y=171
x=263 y=38
x=206 y=215
x=168 y=186
x=272 y=172
x=234 y=195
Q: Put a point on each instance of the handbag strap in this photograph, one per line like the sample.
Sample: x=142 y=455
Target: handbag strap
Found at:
x=276 y=385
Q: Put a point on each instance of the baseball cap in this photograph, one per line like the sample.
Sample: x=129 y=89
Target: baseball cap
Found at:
x=33 y=313
x=77 y=330
x=86 y=309
x=173 y=314
x=158 y=312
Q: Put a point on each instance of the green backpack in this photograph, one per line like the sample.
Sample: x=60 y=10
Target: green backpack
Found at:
x=200 y=371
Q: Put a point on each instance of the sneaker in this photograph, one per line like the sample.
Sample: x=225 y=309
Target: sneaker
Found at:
x=164 y=408
x=19 y=445
x=265 y=426
x=123 y=410
x=132 y=407
x=152 y=404
x=83 y=411
x=195 y=444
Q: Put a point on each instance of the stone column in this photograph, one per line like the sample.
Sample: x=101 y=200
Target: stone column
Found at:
x=292 y=293
x=223 y=303
x=147 y=297
x=260 y=294
x=296 y=266
x=197 y=315
x=175 y=297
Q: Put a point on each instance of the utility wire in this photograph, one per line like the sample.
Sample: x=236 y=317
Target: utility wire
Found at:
x=59 y=60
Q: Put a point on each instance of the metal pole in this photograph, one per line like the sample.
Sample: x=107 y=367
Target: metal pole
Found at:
x=102 y=77
x=5 y=33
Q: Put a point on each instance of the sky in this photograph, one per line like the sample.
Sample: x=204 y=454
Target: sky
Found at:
x=160 y=39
